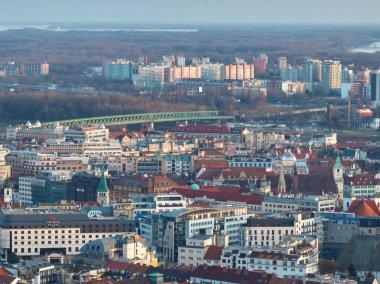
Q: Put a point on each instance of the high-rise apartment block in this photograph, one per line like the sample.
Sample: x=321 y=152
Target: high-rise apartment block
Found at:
x=375 y=87
x=240 y=71
x=331 y=76
x=180 y=61
x=117 y=70
x=260 y=63
x=282 y=63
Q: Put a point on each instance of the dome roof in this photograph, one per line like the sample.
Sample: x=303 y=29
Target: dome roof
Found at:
x=101 y=126
x=288 y=156
x=57 y=124
x=194 y=186
x=28 y=124
x=37 y=124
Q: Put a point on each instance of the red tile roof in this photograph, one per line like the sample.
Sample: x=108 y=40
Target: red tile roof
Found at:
x=364 y=208
x=299 y=153
x=233 y=173
x=211 y=164
x=202 y=128
x=125 y=266
x=5 y=279
x=350 y=144
x=88 y=203
x=266 y=255
x=4 y=272
x=213 y=253
x=276 y=280
x=361 y=179
x=229 y=275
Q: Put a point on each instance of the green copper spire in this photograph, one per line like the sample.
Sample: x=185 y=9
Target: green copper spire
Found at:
x=338 y=163
x=102 y=187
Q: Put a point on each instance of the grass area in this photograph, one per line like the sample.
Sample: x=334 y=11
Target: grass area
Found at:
x=359 y=133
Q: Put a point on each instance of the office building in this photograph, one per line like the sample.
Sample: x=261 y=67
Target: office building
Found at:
x=37 y=231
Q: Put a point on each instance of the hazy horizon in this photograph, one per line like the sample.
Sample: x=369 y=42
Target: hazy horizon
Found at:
x=195 y=12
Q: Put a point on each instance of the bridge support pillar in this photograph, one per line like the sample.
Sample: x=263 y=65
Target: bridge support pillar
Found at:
x=151 y=125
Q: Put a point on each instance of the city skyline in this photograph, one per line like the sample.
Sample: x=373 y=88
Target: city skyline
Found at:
x=194 y=12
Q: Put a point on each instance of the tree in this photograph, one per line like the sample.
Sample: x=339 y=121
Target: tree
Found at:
x=13 y=258
x=351 y=270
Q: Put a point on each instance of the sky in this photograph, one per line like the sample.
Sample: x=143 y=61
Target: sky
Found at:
x=192 y=11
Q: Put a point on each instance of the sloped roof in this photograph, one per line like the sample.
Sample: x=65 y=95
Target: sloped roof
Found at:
x=4 y=272
x=314 y=184
x=363 y=252
x=211 y=164
x=231 y=275
x=364 y=208
x=202 y=128
x=102 y=187
x=220 y=196
x=360 y=179
x=5 y=279
x=213 y=253
x=125 y=266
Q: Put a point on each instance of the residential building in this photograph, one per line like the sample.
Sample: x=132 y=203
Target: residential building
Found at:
x=240 y=72
x=193 y=253
x=30 y=163
x=269 y=231
x=154 y=203
x=331 y=76
x=125 y=246
x=213 y=72
x=283 y=265
x=170 y=229
x=90 y=134
x=358 y=186
x=140 y=184
x=260 y=64
x=121 y=69
x=375 y=87
x=292 y=203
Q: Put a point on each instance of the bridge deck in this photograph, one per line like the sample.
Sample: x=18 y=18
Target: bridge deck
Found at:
x=141 y=118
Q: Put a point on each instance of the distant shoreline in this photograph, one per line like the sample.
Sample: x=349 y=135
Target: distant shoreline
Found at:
x=4 y=28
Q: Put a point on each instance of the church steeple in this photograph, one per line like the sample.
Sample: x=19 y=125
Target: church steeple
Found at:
x=281 y=183
x=338 y=176
x=103 y=193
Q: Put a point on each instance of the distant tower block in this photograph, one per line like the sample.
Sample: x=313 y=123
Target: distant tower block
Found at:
x=330 y=112
x=349 y=112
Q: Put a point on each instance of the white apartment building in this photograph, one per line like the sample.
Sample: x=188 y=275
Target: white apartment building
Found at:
x=323 y=140
x=91 y=134
x=87 y=148
x=193 y=253
x=292 y=203
x=28 y=163
x=358 y=186
x=269 y=231
x=280 y=264
x=249 y=162
x=153 y=203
